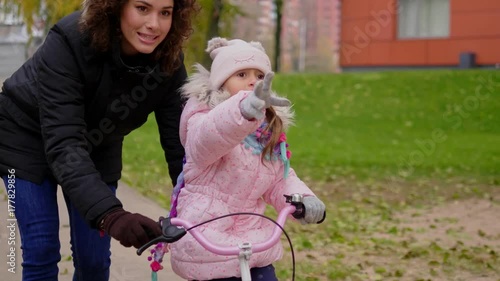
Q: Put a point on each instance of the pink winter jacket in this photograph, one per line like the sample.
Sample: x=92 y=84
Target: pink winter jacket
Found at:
x=222 y=175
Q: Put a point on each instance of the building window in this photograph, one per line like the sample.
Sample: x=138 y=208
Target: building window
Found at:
x=423 y=18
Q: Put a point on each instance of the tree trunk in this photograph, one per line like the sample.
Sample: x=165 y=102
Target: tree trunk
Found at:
x=277 y=35
x=213 y=27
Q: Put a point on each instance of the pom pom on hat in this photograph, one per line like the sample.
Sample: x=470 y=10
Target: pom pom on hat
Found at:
x=231 y=56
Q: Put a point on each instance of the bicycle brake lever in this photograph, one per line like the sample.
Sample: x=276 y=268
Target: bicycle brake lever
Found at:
x=149 y=244
x=170 y=233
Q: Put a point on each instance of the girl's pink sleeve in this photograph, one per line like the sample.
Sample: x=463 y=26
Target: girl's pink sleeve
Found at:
x=292 y=184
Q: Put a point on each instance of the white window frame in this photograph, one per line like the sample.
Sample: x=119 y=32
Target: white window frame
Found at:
x=423 y=19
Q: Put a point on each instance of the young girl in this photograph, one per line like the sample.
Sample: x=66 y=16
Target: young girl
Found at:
x=232 y=128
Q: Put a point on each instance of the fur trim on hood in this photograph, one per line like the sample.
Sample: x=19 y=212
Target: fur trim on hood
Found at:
x=198 y=86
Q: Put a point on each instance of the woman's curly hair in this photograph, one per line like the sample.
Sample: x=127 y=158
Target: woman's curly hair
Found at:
x=100 y=20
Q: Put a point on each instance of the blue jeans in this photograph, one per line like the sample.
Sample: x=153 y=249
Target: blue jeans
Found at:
x=37 y=217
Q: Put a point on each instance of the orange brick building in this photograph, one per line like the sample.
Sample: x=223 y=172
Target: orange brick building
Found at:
x=419 y=33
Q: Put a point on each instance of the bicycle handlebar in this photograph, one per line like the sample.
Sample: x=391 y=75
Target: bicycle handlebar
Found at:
x=172 y=233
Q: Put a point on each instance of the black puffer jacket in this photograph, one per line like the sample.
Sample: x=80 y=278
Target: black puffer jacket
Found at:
x=65 y=112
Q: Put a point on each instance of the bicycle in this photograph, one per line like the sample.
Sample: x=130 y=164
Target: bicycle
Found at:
x=174 y=229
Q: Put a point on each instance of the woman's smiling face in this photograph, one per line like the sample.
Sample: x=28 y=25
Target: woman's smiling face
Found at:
x=145 y=24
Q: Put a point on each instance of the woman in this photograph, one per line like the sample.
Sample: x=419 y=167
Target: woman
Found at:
x=64 y=114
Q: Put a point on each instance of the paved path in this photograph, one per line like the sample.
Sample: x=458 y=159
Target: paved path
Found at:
x=126 y=265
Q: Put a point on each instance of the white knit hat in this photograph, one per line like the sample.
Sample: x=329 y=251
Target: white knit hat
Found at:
x=232 y=56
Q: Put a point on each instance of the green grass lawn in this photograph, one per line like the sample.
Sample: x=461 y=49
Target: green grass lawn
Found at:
x=374 y=146
x=410 y=125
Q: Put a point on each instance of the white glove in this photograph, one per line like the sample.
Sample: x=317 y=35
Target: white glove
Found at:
x=314 y=208
x=252 y=107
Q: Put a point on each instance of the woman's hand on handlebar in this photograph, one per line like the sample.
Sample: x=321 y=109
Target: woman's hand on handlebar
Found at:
x=130 y=229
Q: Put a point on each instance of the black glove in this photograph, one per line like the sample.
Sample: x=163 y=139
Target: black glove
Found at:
x=130 y=229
